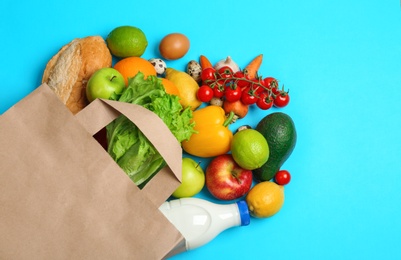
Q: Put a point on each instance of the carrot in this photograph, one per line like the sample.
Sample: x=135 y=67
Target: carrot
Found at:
x=252 y=68
x=204 y=62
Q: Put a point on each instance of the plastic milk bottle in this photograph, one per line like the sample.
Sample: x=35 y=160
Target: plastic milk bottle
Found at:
x=199 y=221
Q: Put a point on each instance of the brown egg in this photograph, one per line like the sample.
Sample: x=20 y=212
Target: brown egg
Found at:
x=174 y=46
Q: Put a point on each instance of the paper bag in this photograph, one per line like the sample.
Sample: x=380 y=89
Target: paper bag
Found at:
x=63 y=197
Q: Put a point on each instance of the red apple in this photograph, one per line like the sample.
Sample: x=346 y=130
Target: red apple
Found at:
x=226 y=180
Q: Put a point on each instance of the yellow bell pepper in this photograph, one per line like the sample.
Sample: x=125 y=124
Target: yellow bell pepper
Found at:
x=213 y=137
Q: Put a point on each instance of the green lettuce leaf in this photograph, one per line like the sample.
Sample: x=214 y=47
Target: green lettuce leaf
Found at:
x=127 y=145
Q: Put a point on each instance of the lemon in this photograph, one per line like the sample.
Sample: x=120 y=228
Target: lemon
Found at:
x=187 y=87
x=127 y=41
x=249 y=149
x=265 y=199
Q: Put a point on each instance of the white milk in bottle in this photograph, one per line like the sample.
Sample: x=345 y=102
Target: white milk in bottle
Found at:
x=199 y=221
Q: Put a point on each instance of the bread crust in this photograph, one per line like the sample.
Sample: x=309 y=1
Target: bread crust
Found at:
x=69 y=70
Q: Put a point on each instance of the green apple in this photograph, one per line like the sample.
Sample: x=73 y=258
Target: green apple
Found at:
x=106 y=83
x=192 y=181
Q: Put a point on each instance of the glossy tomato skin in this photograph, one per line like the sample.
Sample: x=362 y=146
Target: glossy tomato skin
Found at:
x=282 y=177
x=282 y=99
x=240 y=79
x=208 y=74
x=218 y=91
x=239 y=74
x=205 y=93
x=225 y=72
x=265 y=101
x=257 y=87
x=270 y=82
x=275 y=91
x=248 y=96
x=232 y=94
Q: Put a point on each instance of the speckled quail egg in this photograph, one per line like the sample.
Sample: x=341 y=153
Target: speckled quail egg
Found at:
x=194 y=69
x=159 y=64
x=243 y=127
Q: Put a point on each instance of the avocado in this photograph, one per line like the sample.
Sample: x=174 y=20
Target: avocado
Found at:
x=279 y=130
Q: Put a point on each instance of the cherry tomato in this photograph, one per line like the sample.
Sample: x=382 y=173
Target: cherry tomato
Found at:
x=218 y=91
x=265 y=101
x=239 y=74
x=275 y=91
x=248 y=96
x=224 y=82
x=240 y=79
x=225 y=72
x=258 y=81
x=282 y=177
x=270 y=82
x=257 y=86
x=282 y=99
x=208 y=74
x=232 y=94
x=205 y=93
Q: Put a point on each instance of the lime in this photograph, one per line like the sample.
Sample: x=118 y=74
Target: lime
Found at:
x=265 y=199
x=127 y=41
x=249 y=149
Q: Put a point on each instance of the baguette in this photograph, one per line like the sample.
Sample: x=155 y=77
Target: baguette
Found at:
x=69 y=70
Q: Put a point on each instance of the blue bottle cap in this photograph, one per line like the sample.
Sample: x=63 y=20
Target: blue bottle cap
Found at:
x=244 y=212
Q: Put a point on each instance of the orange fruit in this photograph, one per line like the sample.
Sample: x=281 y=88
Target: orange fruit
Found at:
x=129 y=67
x=170 y=87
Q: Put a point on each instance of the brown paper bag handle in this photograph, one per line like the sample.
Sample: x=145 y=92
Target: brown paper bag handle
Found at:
x=101 y=112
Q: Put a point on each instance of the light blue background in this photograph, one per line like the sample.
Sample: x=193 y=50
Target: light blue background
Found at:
x=341 y=61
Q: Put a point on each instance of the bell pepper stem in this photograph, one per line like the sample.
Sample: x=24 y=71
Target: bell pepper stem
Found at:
x=229 y=119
